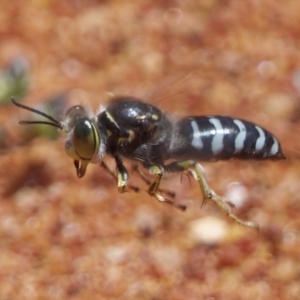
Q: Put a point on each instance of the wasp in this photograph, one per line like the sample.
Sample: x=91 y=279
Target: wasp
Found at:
x=129 y=128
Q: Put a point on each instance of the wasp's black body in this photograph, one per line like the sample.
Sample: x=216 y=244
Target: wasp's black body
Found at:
x=140 y=131
x=129 y=128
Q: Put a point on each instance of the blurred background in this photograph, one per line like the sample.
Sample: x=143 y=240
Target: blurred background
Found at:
x=67 y=238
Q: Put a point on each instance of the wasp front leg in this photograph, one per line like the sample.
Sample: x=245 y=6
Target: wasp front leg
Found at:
x=108 y=170
x=122 y=174
x=208 y=193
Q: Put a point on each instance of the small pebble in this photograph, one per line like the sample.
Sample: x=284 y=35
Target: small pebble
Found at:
x=208 y=230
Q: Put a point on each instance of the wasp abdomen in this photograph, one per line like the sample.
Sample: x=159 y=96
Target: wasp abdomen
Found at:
x=217 y=137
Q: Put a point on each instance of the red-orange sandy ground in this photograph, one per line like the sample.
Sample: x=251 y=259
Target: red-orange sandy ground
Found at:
x=67 y=238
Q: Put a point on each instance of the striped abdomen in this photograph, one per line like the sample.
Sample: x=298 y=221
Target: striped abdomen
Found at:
x=217 y=137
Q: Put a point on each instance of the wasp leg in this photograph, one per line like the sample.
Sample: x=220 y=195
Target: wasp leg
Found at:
x=208 y=193
x=122 y=174
x=107 y=169
x=136 y=168
x=158 y=172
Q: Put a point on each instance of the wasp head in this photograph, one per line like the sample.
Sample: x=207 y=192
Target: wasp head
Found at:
x=83 y=139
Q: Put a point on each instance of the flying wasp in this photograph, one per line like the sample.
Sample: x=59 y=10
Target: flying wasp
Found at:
x=138 y=131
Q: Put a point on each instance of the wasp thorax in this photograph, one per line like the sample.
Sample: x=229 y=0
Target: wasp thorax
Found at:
x=84 y=138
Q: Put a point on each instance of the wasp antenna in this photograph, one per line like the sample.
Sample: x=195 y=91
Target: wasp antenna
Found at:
x=53 y=122
x=40 y=122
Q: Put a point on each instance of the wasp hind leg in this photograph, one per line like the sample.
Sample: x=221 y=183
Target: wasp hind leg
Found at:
x=208 y=193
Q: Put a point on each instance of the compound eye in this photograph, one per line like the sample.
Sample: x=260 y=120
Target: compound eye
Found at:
x=85 y=139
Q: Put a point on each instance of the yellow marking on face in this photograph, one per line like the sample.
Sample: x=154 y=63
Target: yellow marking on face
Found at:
x=154 y=117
